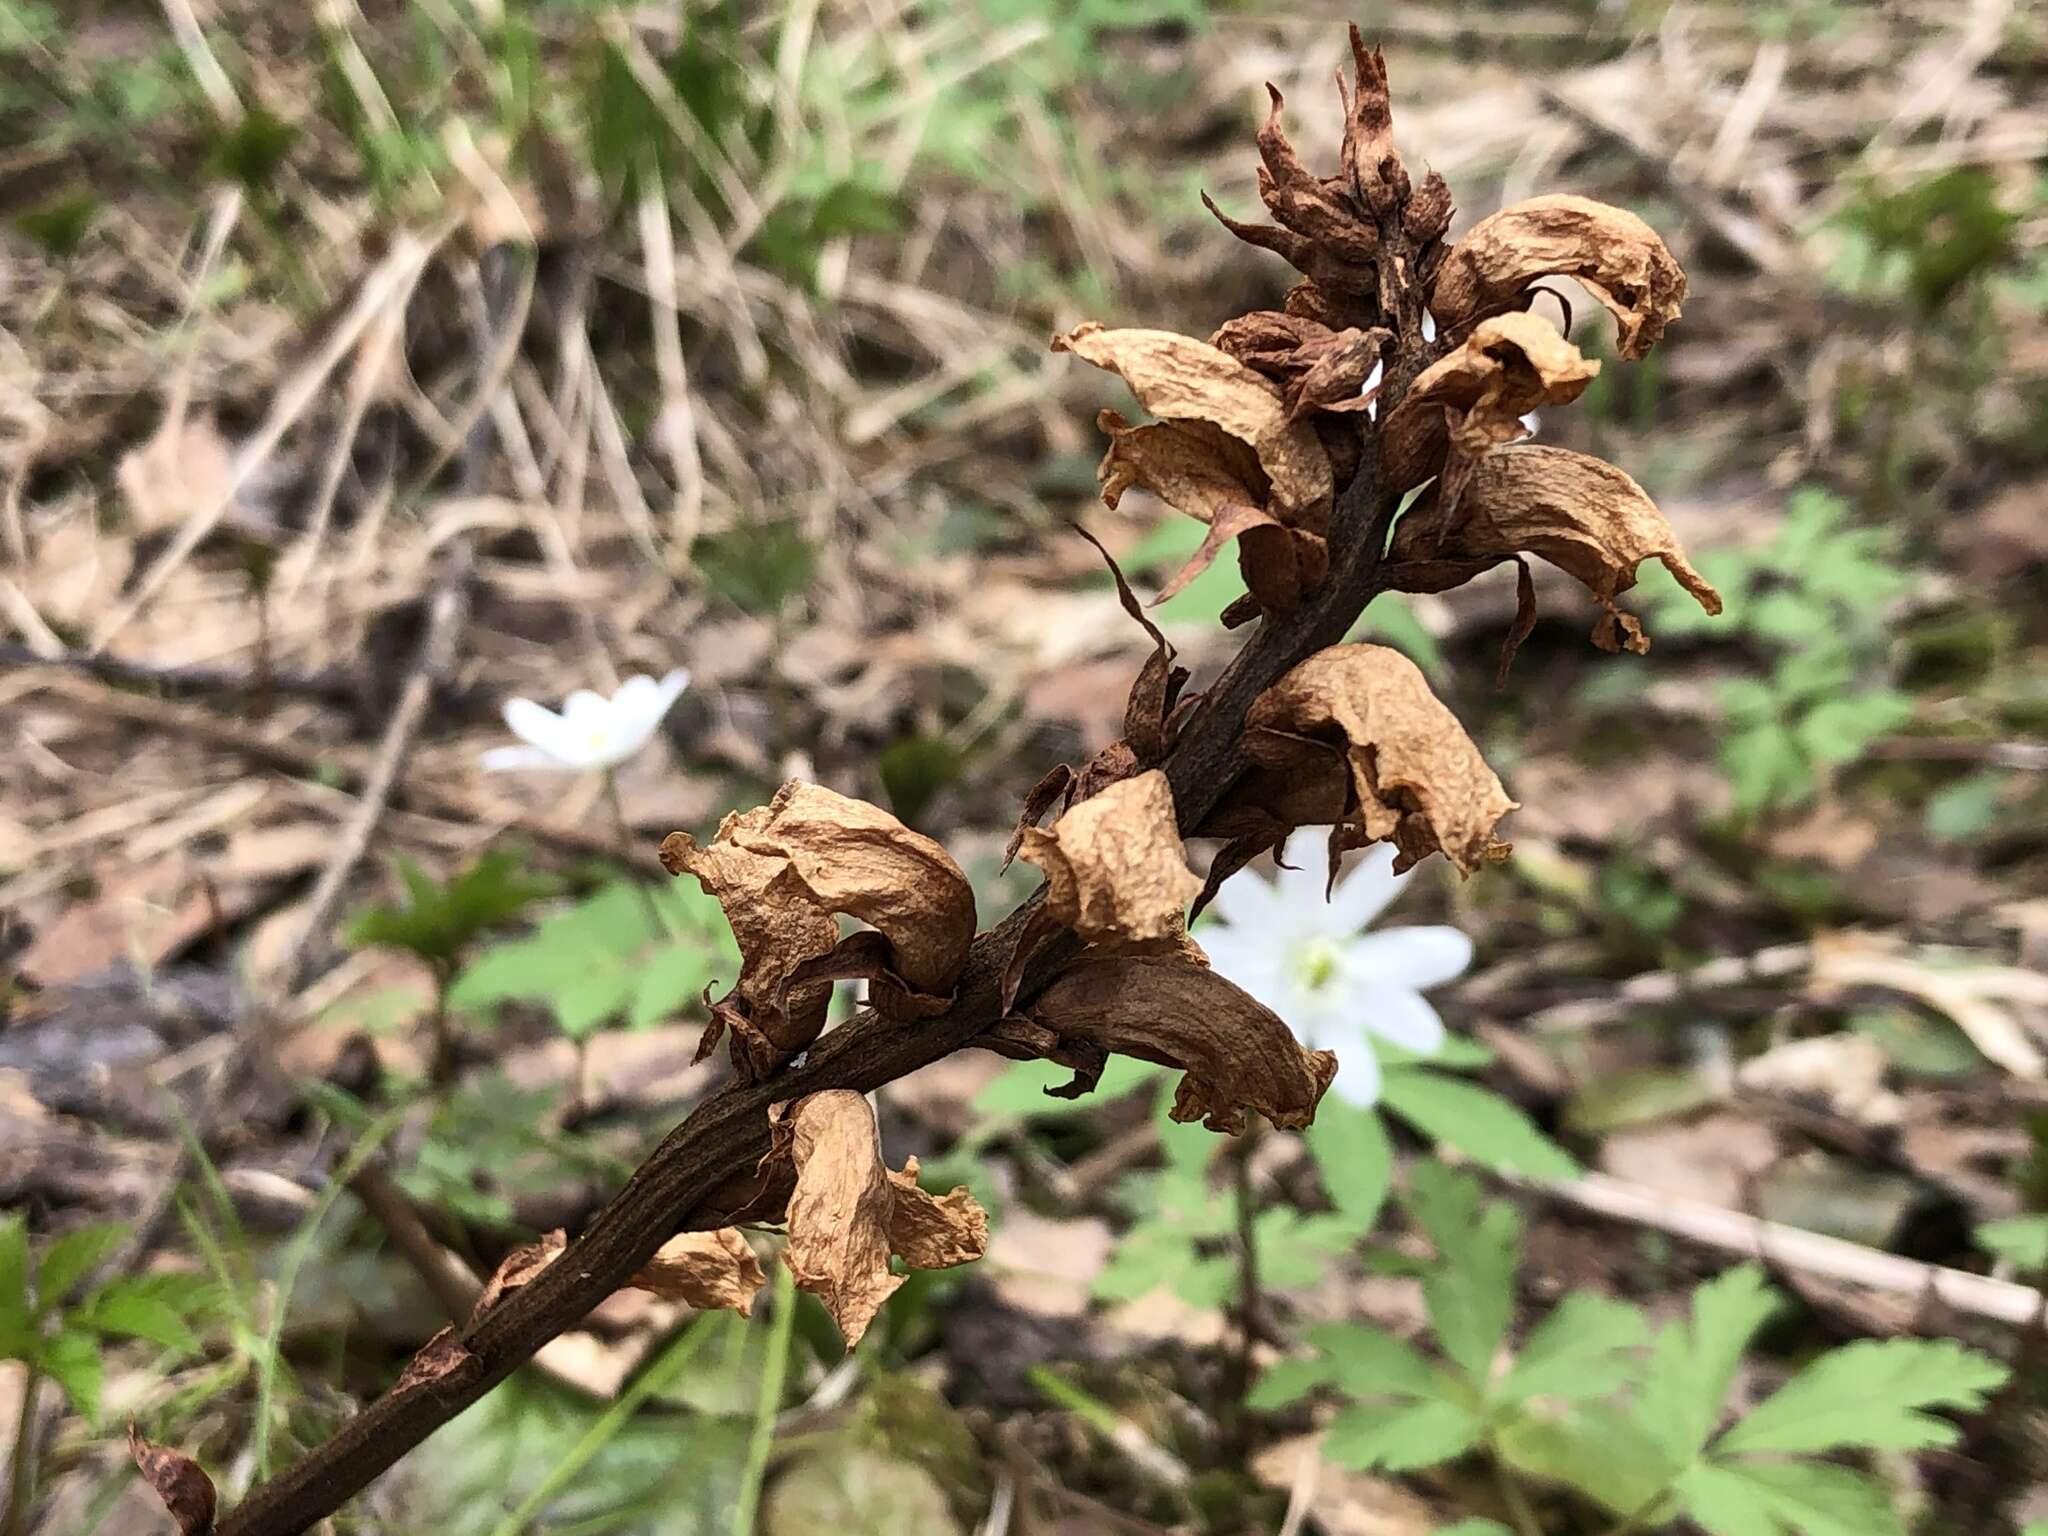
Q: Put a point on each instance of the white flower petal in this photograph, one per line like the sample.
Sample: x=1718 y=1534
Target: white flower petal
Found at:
x=586 y=711
x=1300 y=888
x=1428 y=326
x=1246 y=901
x=505 y=759
x=536 y=726
x=1405 y=1018
x=1364 y=890
x=1358 y=1076
x=671 y=688
x=1414 y=958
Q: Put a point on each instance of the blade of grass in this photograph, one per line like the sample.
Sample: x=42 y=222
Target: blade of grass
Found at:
x=667 y=1367
x=774 y=1366
x=297 y=1251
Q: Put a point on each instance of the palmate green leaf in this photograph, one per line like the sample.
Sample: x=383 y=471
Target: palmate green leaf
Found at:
x=1873 y=1394
x=1365 y=1361
x=1695 y=1359
x=1786 y=1498
x=71 y=1358
x=1401 y=1436
x=1595 y=1448
x=70 y=1258
x=136 y=1315
x=14 y=1308
x=1585 y=1348
x=1474 y=1527
x=1478 y=1122
x=1470 y=1291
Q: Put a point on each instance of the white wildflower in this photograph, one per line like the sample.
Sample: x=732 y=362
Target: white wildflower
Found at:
x=592 y=731
x=1307 y=960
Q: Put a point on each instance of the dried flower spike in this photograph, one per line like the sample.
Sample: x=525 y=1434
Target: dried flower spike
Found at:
x=182 y=1484
x=710 y=1271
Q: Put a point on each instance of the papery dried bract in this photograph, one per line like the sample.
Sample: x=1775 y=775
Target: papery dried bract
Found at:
x=187 y=1492
x=1416 y=779
x=1473 y=400
x=1579 y=513
x=1225 y=451
x=1115 y=869
x=1616 y=256
x=782 y=870
x=1237 y=1055
x=711 y=1271
x=1116 y=873
x=517 y=1268
x=848 y=1213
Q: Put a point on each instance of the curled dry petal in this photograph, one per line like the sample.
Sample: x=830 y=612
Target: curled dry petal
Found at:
x=1415 y=776
x=1473 y=399
x=1226 y=451
x=444 y=1357
x=782 y=870
x=1612 y=253
x=517 y=1268
x=1580 y=513
x=1115 y=870
x=1316 y=367
x=849 y=1213
x=1236 y=1054
x=1116 y=873
x=710 y=1271
x=1180 y=379
x=187 y=1492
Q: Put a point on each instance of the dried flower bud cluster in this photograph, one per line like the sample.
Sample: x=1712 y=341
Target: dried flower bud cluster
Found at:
x=1260 y=432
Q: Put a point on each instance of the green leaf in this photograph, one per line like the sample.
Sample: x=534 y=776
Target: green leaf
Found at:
x=1695 y=1360
x=1470 y=1292
x=2021 y=1241
x=1401 y=1436
x=1872 y=1393
x=1287 y=1381
x=138 y=1315
x=1475 y=1527
x=1478 y=1122
x=671 y=982
x=757 y=567
x=1355 y=1158
x=72 y=1257
x=1364 y=1361
x=1595 y=1448
x=1766 y=1498
x=1581 y=1350
x=14 y=1303
x=71 y=1358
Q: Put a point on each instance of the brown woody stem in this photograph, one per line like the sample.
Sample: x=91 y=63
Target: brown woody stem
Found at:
x=725 y=1137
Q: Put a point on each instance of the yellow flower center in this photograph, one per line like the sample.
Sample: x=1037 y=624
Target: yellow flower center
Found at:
x=1316 y=964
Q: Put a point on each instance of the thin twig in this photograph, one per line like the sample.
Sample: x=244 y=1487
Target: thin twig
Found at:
x=1813 y=1253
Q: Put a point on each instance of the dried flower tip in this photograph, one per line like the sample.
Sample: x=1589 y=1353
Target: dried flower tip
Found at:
x=710 y=1271
x=1616 y=256
x=848 y=1213
x=444 y=1357
x=1415 y=778
x=1237 y=1055
x=182 y=1484
x=1580 y=513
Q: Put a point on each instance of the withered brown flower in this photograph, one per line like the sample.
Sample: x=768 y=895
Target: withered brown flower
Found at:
x=1613 y=254
x=849 y=1212
x=1364 y=714
x=1226 y=451
x=781 y=871
x=1237 y=1055
x=1116 y=874
x=710 y=1271
x=1580 y=513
